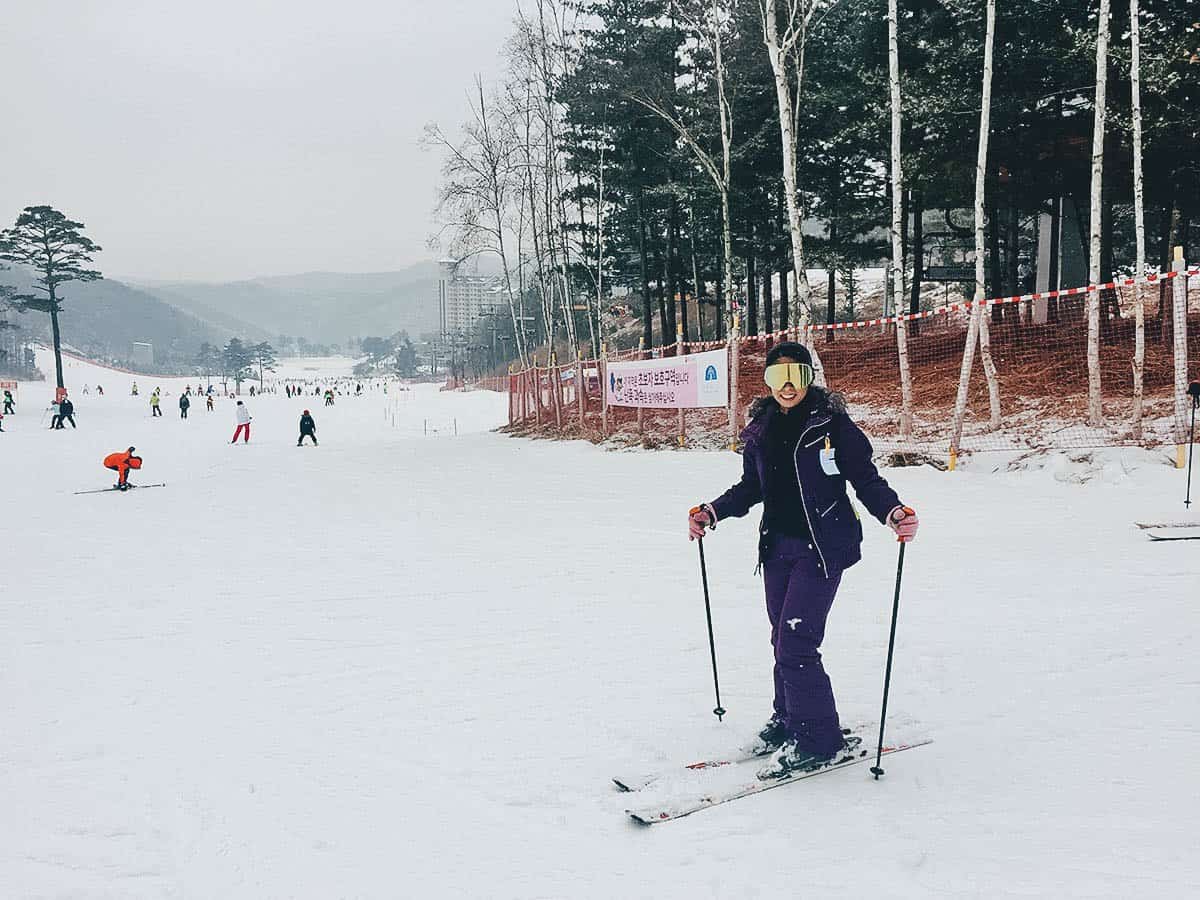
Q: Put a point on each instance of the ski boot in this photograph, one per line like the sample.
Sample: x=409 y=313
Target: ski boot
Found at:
x=772 y=736
x=791 y=760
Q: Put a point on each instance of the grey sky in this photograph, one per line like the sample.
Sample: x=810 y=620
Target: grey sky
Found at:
x=234 y=138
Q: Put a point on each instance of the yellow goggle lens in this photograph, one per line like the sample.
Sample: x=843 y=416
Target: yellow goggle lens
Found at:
x=800 y=375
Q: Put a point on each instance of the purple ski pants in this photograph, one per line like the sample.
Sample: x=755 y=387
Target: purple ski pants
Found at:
x=799 y=597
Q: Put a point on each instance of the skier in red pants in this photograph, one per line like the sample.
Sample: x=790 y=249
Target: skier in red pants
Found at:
x=243 y=421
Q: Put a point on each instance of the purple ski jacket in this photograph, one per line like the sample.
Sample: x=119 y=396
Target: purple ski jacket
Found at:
x=832 y=518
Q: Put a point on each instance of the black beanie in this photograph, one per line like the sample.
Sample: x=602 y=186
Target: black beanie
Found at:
x=791 y=350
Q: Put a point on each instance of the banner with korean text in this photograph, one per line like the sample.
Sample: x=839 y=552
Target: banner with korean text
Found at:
x=678 y=382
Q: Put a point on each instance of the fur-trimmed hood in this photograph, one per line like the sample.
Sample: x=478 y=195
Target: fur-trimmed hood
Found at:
x=821 y=401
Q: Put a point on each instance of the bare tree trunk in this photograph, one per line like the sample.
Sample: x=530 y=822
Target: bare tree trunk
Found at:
x=897 y=220
x=1139 y=220
x=600 y=255
x=918 y=252
x=977 y=324
x=56 y=339
x=768 y=299
x=697 y=285
x=1095 y=411
x=781 y=49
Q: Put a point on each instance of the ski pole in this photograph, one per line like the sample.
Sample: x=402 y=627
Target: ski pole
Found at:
x=876 y=770
x=1193 y=392
x=712 y=646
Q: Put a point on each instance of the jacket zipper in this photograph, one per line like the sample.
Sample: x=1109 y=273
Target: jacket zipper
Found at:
x=803 y=500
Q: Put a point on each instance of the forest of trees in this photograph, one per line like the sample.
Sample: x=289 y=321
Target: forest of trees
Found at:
x=638 y=145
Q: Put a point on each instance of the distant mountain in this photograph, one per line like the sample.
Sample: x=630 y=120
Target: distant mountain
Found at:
x=322 y=307
x=103 y=318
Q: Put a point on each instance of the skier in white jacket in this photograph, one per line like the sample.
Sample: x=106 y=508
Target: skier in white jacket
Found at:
x=243 y=421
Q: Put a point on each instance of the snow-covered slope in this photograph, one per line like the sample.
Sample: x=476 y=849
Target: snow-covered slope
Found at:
x=406 y=666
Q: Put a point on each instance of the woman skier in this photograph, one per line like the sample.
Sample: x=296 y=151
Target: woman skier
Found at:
x=243 y=422
x=800 y=450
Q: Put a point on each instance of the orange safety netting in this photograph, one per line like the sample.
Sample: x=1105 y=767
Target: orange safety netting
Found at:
x=1038 y=344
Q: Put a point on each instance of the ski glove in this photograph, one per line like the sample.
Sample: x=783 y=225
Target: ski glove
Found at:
x=903 y=520
x=700 y=518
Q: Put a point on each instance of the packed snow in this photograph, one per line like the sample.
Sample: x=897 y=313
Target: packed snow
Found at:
x=407 y=663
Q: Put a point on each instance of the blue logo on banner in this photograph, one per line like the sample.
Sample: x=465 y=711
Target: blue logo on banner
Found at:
x=710 y=374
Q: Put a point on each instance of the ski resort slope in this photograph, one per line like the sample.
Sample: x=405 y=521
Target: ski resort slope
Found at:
x=407 y=662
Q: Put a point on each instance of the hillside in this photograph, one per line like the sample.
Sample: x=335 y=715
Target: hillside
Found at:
x=323 y=307
x=102 y=318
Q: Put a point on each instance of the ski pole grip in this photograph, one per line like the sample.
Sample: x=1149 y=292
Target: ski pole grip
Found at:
x=905 y=511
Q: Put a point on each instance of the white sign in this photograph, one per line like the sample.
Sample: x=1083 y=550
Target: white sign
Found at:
x=678 y=382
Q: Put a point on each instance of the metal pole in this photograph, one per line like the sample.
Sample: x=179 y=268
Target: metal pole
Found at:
x=719 y=711
x=887 y=678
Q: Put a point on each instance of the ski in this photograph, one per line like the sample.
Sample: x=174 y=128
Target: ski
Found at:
x=1177 y=534
x=632 y=783
x=1170 y=531
x=704 y=796
x=110 y=490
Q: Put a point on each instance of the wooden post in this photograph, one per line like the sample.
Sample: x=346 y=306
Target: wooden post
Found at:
x=602 y=371
x=1179 y=327
x=733 y=384
x=510 y=397
x=556 y=390
x=679 y=352
x=579 y=383
x=537 y=393
x=641 y=410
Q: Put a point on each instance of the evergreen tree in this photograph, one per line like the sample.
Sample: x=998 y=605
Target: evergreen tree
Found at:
x=57 y=251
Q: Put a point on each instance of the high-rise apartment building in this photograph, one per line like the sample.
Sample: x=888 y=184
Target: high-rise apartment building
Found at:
x=463 y=298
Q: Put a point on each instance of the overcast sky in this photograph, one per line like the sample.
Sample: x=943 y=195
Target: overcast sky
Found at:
x=234 y=138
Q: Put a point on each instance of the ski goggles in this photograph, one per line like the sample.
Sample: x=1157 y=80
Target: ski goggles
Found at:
x=799 y=375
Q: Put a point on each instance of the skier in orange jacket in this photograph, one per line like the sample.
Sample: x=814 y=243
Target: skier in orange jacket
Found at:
x=121 y=463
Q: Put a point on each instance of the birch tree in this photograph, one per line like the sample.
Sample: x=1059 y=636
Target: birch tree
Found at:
x=1095 y=411
x=477 y=192
x=709 y=22
x=978 y=320
x=1139 y=219
x=897 y=212
x=785 y=50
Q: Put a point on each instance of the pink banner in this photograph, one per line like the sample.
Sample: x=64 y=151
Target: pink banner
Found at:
x=679 y=382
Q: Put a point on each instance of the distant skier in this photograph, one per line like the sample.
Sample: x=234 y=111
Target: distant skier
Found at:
x=133 y=390
x=208 y=399
x=100 y=390
x=184 y=404
x=243 y=421
x=66 y=412
x=8 y=403
x=121 y=463
x=308 y=428
x=154 y=401
x=329 y=398
x=801 y=448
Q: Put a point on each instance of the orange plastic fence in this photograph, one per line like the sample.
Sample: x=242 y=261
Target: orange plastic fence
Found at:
x=1038 y=344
